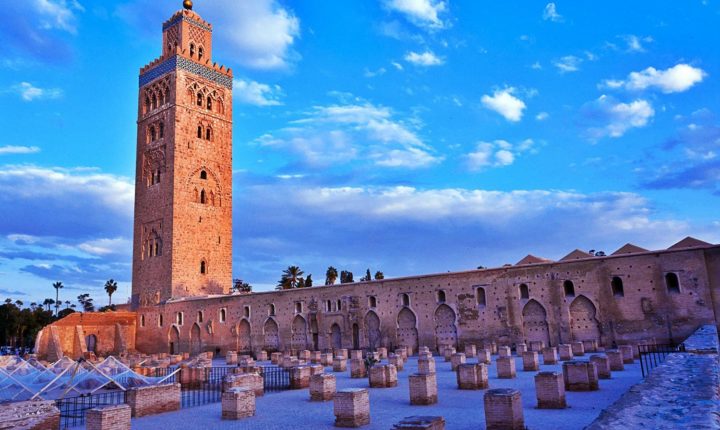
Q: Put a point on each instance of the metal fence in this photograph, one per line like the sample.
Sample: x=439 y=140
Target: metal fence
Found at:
x=652 y=356
x=72 y=410
x=275 y=378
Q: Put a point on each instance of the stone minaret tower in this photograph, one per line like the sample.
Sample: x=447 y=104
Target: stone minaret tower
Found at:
x=183 y=182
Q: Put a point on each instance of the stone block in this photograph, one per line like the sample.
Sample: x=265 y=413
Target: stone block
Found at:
x=420 y=423
x=470 y=351
x=30 y=415
x=550 y=390
x=457 y=359
x=505 y=367
x=299 y=377
x=383 y=353
x=358 y=368
x=426 y=365
x=341 y=352
x=315 y=357
x=339 y=364
x=238 y=403
x=356 y=354
x=383 y=376
x=261 y=356
x=578 y=349
x=155 y=399
x=276 y=357
x=590 y=345
x=373 y=355
x=352 y=408
x=322 y=387
x=448 y=353
x=520 y=348
x=503 y=410
x=472 y=377
x=111 y=417
x=316 y=369
x=531 y=361
x=537 y=345
x=397 y=361
x=404 y=352
x=252 y=381
x=424 y=355
x=423 y=389
x=231 y=358
x=580 y=376
x=550 y=355
x=326 y=359
x=616 y=360
x=504 y=351
x=423 y=349
x=627 y=354
x=484 y=356
x=304 y=355
x=602 y=362
x=565 y=351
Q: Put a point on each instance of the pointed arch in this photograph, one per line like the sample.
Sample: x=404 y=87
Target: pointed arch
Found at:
x=243 y=334
x=195 y=340
x=583 y=324
x=372 y=326
x=407 y=334
x=298 y=340
x=445 y=328
x=335 y=336
x=174 y=340
x=535 y=325
x=271 y=335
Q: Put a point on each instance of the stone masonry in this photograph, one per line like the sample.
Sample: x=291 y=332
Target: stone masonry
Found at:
x=580 y=376
x=423 y=389
x=238 y=403
x=550 y=390
x=503 y=410
x=322 y=387
x=156 y=399
x=112 y=417
x=352 y=408
x=472 y=376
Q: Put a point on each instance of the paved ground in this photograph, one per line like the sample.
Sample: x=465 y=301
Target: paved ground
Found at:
x=461 y=409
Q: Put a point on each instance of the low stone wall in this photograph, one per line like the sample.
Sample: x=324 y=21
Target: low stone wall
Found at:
x=31 y=415
x=154 y=400
x=114 y=417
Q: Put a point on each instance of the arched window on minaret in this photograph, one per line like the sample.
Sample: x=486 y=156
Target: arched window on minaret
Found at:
x=209 y=103
x=161 y=130
x=199 y=99
x=208 y=134
x=192 y=50
x=147 y=104
x=203 y=198
x=203 y=267
x=201 y=52
x=154 y=101
x=199 y=133
x=203 y=174
x=212 y=198
x=151 y=135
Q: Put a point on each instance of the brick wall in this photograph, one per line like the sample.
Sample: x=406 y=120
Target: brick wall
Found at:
x=154 y=400
x=31 y=415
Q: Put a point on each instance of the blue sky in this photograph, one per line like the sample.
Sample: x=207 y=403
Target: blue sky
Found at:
x=408 y=136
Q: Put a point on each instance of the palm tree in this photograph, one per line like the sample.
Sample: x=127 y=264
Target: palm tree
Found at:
x=110 y=287
x=291 y=277
x=379 y=275
x=48 y=303
x=58 y=286
x=67 y=304
x=331 y=276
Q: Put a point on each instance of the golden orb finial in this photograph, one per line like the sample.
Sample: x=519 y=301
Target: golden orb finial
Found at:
x=187 y=4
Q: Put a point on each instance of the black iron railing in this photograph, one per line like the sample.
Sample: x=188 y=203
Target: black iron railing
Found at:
x=72 y=410
x=652 y=356
x=275 y=378
x=202 y=394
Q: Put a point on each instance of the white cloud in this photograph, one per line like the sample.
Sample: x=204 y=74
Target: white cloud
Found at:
x=58 y=14
x=425 y=59
x=261 y=32
x=504 y=103
x=568 y=63
x=373 y=73
x=542 y=116
x=101 y=247
x=345 y=133
x=536 y=66
x=397 y=65
x=12 y=149
x=423 y=13
x=676 y=79
x=635 y=43
x=255 y=93
x=617 y=118
x=28 y=92
x=499 y=153
x=550 y=13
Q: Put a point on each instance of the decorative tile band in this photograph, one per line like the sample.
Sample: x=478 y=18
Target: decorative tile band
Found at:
x=177 y=62
x=186 y=19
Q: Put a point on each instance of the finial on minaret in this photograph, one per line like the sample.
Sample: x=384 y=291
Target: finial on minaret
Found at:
x=187 y=4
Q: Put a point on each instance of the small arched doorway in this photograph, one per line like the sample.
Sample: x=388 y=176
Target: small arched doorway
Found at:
x=299 y=334
x=356 y=336
x=174 y=340
x=272 y=338
x=195 y=340
x=535 y=325
x=91 y=342
x=445 y=329
x=407 y=334
x=315 y=332
x=372 y=325
x=583 y=325
x=336 y=336
x=243 y=333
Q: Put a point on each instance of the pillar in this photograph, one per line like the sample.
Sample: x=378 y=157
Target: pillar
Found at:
x=423 y=389
x=322 y=387
x=339 y=364
x=531 y=361
x=616 y=360
x=580 y=376
x=457 y=359
x=503 y=410
x=578 y=349
x=505 y=367
x=602 y=363
x=504 y=351
x=472 y=376
x=113 y=417
x=550 y=355
x=550 y=390
x=627 y=354
x=565 y=351
x=352 y=407
x=238 y=403
x=357 y=368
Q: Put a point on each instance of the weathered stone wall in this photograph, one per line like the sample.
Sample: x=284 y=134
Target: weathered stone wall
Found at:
x=341 y=316
x=31 y=415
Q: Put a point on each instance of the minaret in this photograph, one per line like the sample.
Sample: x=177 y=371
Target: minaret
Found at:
x=183 y=182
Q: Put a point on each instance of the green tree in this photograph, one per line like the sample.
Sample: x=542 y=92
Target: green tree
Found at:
x=58 y=286
x=308 y=281
x=48 y=303
x=331 y=276
x=346 y=277
x=290 y=278
x=86 y=302
x=110 y=287
x=241 y=287
x=379 y=275
x=367 y=277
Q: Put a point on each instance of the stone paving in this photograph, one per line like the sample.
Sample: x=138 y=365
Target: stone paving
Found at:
x=461 y=409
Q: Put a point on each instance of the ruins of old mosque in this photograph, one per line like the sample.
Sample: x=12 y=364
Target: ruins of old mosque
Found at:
x=504 y=347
